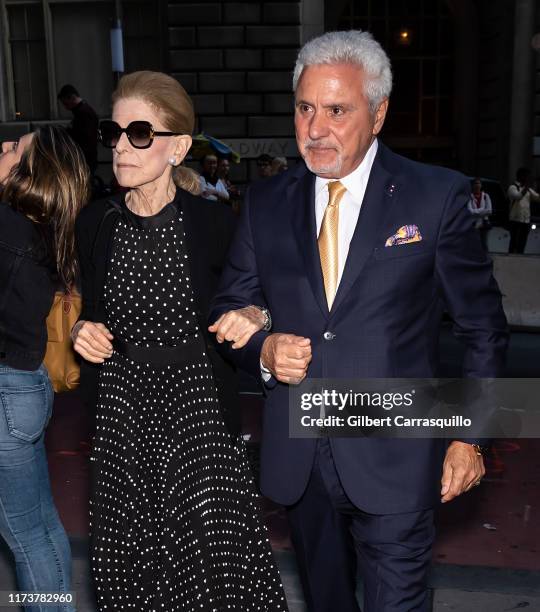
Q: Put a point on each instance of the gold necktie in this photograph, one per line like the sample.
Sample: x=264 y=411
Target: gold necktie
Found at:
x=328 y=240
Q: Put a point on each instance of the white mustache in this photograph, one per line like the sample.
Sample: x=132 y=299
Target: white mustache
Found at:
x=319 y=144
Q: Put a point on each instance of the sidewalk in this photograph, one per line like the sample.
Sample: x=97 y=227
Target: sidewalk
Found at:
x=456 y=588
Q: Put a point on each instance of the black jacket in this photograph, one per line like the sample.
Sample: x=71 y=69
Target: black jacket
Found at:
x=26 y=290
x=208 y=229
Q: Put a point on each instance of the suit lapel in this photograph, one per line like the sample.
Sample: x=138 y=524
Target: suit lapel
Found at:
x=381 y=191
x=301 y=200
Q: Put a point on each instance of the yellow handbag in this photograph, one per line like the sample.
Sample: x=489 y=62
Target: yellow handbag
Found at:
x=60 y=359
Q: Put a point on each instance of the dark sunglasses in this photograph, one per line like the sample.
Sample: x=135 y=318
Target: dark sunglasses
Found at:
x=139 y=133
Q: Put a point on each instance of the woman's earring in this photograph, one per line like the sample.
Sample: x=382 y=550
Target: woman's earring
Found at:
x=172 y=161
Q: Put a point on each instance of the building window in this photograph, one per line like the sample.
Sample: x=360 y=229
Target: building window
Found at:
x=48 y=43
x=141 y=36
x=418 y=37
x=27 y=60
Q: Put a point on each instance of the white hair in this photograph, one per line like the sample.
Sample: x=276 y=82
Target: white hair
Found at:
x=352 y=47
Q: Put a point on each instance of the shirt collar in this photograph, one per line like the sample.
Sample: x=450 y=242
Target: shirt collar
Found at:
x=355 y=181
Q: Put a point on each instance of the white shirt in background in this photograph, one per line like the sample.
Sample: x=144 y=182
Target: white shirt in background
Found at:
x=520 y=205
x=219 y=186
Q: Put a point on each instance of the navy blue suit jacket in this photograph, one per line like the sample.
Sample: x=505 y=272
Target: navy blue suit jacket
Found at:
x=385 y=317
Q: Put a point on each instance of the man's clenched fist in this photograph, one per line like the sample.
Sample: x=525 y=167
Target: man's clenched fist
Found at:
x=287 y=357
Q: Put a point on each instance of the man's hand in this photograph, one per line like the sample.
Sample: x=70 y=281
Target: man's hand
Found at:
x=92 y=341
x=287 y=356
x=463 y=468
x=238 y=326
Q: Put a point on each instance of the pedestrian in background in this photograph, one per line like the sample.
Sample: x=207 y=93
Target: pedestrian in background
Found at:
x=481 y=208
x=521 y=194
x=279 y=164
x=264 y=165
x=235 y=195
x=212 y=187
x=84 y=127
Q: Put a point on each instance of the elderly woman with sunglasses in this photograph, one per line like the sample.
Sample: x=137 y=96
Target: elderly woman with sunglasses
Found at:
x=175 y=523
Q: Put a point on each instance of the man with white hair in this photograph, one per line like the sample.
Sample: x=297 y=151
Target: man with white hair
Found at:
x=354 y=255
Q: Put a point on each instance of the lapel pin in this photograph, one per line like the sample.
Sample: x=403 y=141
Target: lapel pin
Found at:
x=390 y=189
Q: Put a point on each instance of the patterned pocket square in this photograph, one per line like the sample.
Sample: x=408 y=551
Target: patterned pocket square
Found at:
x=404 y=235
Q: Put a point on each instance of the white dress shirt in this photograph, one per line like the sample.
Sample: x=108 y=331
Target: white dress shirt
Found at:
x=349 y=206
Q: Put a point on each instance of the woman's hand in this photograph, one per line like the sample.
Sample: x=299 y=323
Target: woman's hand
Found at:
x=92 y=341
x=238 y=326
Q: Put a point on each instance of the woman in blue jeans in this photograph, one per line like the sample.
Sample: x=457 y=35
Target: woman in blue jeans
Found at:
x=44 y=183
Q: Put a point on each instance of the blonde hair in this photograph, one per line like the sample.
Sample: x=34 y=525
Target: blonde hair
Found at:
x=171 y=101
x=49 y=185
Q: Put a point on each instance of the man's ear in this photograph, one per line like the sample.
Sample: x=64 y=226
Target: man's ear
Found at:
x=380 y=115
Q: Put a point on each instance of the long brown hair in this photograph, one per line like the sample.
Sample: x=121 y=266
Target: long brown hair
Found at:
x=175 y=108
x=49 y=185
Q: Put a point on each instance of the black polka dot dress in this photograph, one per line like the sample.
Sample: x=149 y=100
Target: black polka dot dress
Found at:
x=175 y=522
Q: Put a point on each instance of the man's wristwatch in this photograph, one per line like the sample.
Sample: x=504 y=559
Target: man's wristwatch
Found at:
x=267 y=318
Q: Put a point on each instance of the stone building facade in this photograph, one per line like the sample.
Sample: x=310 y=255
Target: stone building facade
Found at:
x=479 y=111
x=236 y=60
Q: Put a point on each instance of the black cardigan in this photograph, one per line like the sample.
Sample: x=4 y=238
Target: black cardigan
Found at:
x=209 y=226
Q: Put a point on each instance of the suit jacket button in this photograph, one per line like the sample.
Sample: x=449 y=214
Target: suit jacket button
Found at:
x=328 y=335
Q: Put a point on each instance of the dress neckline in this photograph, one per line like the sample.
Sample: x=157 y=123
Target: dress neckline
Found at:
x=164 y=216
